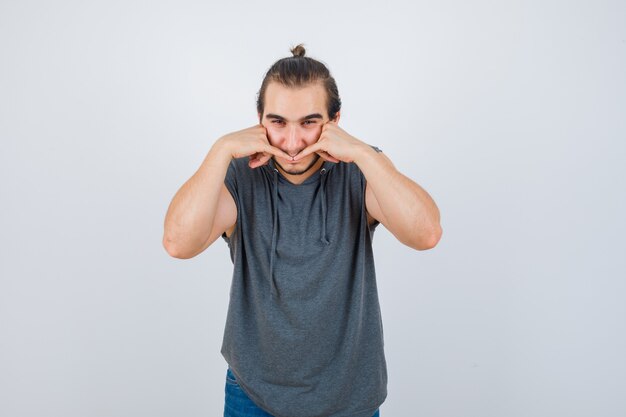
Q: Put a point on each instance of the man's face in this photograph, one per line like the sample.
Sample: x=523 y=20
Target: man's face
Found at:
x=294 y=118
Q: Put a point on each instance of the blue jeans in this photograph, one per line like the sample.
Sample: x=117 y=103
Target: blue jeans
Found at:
x=238 y=404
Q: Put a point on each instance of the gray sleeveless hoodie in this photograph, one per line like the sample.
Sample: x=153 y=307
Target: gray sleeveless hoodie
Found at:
x=304 y=333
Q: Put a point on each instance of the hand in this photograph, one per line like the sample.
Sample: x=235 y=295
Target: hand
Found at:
x=334 y=145
x=253 y=143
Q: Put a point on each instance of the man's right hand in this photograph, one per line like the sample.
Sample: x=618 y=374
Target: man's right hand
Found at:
x=253 y=143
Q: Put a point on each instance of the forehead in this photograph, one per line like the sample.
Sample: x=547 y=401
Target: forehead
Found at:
x=294 y=103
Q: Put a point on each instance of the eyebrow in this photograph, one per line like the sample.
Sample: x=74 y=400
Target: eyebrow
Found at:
x=308 y=117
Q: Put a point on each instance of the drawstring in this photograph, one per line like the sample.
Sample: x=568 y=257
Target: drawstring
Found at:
x=274 y=289
x=324 y=237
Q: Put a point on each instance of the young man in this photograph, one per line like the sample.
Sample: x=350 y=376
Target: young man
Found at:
x=297 y=199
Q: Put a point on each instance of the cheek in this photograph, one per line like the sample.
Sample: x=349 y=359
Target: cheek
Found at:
x=272 y=137
x=312 y=135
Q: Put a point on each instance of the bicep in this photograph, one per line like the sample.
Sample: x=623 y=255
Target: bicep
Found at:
x=372 y=207
x=225 y=217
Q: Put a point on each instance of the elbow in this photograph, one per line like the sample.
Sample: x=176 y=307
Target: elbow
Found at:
x=435 y=237
x=174 y=250
x=428 y=240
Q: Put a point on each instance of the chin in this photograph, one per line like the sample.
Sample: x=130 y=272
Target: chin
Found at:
x=301 y=167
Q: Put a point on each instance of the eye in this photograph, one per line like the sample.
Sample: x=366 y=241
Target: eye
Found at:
x=277 y=122
x=308 y=122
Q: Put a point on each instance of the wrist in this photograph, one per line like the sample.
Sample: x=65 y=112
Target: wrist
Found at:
x=221 y=149
x=365 y=153
x=219 y=155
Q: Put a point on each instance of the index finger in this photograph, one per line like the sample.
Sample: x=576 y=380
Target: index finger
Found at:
x=276 y=152
x=307 y=151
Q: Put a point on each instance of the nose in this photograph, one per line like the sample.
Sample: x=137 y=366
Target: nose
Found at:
x=292 y=141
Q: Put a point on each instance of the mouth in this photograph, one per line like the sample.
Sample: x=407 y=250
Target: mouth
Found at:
x=290 y=161
x=290 y=166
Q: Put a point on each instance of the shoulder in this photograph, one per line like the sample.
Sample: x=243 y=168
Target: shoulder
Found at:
x=346 y=169
x=354 y=173
x=349 y=177
x=238 y=165
x=241 y=171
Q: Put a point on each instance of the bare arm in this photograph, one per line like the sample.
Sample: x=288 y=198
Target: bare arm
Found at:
x=393 y=199
x=203 y=208
x=401 y=205
x=192 y=222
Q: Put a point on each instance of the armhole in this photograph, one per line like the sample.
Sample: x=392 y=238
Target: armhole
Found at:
x=235 y=227
x=230 y=184
x=370 y=226
x=225 y=235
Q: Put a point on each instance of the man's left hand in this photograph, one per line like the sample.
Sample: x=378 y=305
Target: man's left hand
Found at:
x=334 y=145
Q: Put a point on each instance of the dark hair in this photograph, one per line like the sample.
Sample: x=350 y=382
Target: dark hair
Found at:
x=298 y=71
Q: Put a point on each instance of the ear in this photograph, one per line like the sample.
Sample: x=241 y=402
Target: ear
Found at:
x=259 y=117
x=337 y=116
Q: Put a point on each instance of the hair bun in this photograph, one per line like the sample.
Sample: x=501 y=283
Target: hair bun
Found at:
x=298 y=50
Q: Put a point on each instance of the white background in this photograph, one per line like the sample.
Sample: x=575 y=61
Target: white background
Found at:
x=511 y=114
